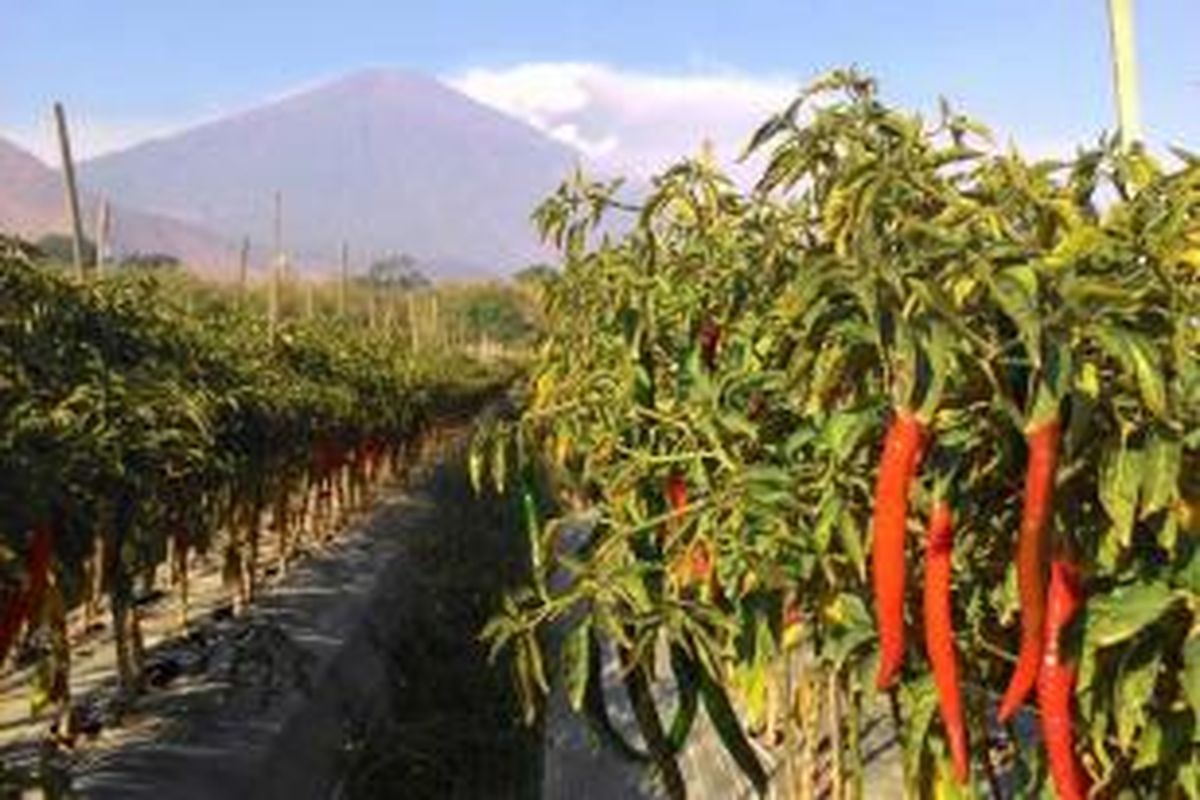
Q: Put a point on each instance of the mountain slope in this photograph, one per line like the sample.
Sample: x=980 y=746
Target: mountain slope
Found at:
x=31 y=197
x=32 y=204
x=389 y=161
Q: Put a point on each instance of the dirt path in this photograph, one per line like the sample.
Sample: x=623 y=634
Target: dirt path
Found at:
x=358 y=675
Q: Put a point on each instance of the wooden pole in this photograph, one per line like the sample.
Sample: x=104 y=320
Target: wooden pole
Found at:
x=72 y=190
x=243 y=266
x=1125 y=79
x=343 y=279
x=310 y=310
x=434 y=333
x=276 y=267
x=412 y=321
x=103 y=220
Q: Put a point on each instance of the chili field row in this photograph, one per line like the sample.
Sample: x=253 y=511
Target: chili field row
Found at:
x=915 y=404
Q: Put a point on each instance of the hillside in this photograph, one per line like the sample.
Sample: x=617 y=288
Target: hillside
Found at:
x=31 y=205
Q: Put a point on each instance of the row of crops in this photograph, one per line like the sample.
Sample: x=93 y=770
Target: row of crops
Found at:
x=134 y=435
x=914 y=406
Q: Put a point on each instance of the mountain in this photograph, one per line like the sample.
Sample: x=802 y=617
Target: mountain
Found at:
x=389 y=161
x=32 y=204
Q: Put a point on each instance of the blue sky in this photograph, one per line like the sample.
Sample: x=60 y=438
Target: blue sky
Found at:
x=624 y=80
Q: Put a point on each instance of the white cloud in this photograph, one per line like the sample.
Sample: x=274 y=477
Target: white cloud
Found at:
x=627 y=120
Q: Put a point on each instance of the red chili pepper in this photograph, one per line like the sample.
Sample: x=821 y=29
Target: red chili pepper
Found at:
x=1056 y=684
x=793 y=614
x=40 y=552
x=322 y=456
x=11 y=617
x=21 y=602
x=1040 y=466
x=898 y=465
x=701 y=561
x=676 y=492
x=710 y=339
x=939 y=633
x=697 y=567
x=756 y=406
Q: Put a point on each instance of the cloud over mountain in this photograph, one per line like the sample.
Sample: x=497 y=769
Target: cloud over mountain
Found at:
x=629 y=120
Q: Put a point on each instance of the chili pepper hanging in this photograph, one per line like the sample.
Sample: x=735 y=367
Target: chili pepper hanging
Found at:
x=1056 y=684
x=939 y=633
x=1042 y=439
x=898 y=465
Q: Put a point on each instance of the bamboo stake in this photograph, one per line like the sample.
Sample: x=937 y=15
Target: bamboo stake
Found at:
x=344 y=278
x=102 y=226
x=837 y=786
x=72 y=190
x=412 y=321
x=854 y=740
x=810 y=715
x=1124 y=54
x=433 y=321
x=276 y=267
x=243 y=267
x=787 y=771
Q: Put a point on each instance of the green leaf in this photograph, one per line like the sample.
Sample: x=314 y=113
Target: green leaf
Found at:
x=575 y=664
x=850 y=536
x=1189 y=780
x=1149 y=373
x=920 y=705
x=1191 y=671
x=475 y=465
x=1148 y=745
x=729 y=730
x=1134 y=689
x=1140 y=360
x=751 y=687
x=688 y=688
x=767 y=478
x=843 y=430
x=1125 y=611
x=1016 y=290
x=1160 y=474
x=636 y=677
x=499 y=463
x=738 y=425
x=1120 y=481
x=531 y=518
x=851 y=628
x=595 y=707
x=831 y=511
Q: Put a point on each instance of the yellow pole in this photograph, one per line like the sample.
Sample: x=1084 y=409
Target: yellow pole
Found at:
x=1120 y=17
